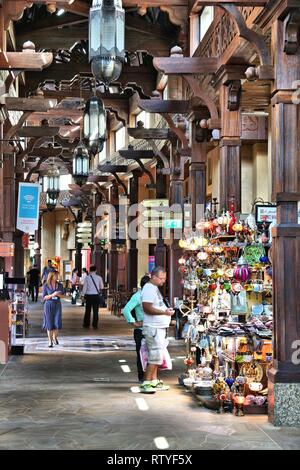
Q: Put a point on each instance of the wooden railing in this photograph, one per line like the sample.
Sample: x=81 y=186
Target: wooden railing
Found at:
x=222 y=31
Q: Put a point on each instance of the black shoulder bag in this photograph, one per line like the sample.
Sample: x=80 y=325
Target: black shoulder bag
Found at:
x=101 y=298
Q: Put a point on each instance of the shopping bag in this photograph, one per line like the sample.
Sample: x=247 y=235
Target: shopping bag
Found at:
x=167 y=363
x=144 y=354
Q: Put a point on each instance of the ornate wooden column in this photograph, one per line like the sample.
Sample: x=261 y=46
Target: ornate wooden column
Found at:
x=132 y=266
x=175 y=197
x=113 y=252
x=197 y=182
x=161 y=186
x=284 y=376
x=230 y=144
x=9 y=212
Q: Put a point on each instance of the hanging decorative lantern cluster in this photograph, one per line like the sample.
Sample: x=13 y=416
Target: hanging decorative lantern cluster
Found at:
x=51 y=187
x=94 y=125
x=107 y=39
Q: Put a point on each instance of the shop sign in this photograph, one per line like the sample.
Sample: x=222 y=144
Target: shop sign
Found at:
x=172 y=223
x=155 y=202
x=28 y=207
x=153 y=223
x=265 y=213
x=7 y=249
x=84 y=233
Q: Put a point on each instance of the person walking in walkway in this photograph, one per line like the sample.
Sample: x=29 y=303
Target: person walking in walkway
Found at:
x=92 y=288
x=34 y=282
x=52 y=293
x=47 y=269
x=133 y=314
x=157 y=318
x=81 y=283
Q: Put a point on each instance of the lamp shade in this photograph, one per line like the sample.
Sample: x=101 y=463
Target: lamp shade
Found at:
x=81 y=164
x=107 y=39
x=94 y=125
x=51 y=187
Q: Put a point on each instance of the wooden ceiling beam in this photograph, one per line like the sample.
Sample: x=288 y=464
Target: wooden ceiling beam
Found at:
x=164 y=106
x=46 y=24
x=186 y=65
x=150 y=134
x=25 y=60
x=108 y=168
x=76 y=6
x=29 y=104
x=45 y=152
x=137 y=154
x=37 y=131
x=155 y=3
x=198 y=4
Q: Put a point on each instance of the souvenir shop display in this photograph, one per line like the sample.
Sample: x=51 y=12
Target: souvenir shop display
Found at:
x=18 y=316
x=227 y=305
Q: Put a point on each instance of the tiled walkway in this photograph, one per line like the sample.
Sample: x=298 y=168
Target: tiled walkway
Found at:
x=82 y=395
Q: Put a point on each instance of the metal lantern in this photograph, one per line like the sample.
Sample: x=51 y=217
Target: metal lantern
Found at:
x=81 y=164
x=51 y=187
x=94 y=125
x=107 y=39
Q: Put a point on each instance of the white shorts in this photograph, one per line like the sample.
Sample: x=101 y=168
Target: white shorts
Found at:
x=156 y=341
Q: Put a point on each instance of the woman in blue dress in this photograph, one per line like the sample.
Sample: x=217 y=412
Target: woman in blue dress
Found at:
x=52 y=293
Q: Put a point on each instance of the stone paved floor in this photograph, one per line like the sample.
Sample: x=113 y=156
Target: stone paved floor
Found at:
x=79 y=396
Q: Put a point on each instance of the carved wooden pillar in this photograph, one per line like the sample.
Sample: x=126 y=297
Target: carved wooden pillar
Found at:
x=132 y=266
x=160 y=249
x=197 y=183
x=113 y=253
x=9 y=214
x=176 y=197
x=230 y=145
x=284 y=376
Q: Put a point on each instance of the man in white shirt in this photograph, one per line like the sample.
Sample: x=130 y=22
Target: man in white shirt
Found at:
x=92 y=287
x=157 y=317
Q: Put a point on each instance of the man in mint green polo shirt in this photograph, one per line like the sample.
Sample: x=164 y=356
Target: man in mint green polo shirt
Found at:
x=134 y=315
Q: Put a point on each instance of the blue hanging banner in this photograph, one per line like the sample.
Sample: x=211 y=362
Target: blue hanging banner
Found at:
x=28 y=207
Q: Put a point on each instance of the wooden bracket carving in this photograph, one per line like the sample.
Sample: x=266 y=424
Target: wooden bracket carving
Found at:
x=202 y=94
x=120 y=182
x=265 y=70
x=179 y=133
x=13 y=10
x=292 y=32
x=234 y=95
x=148 y=173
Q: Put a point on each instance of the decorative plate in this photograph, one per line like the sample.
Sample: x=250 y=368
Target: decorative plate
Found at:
x=253 y=372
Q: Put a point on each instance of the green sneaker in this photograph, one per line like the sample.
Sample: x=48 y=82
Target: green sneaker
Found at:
x=148 y=388
x=159 y=386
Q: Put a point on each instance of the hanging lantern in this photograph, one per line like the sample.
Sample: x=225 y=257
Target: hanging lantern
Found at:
x=94 y=125
x=51 y=187
x=242 y=272
x=223 y=220
x=81 y=164
x=202 y=255
x=107 y=39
